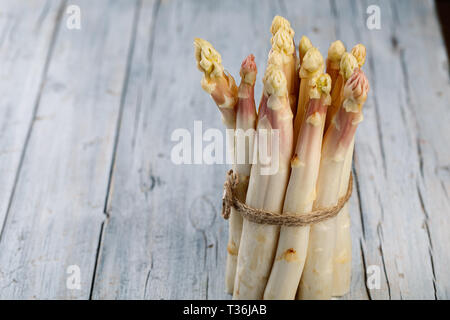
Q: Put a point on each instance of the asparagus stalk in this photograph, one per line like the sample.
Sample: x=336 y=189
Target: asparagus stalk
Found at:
x=293 y=241
x=347 y=64
x=343 y=247
x=283 y=42
x=303 y=47
x=335 y=52
x=317 y=278
x=312 y=65
x=342 y=256
x=216 y=81
x=245 y=120
x=276 y=56
x=258 y=241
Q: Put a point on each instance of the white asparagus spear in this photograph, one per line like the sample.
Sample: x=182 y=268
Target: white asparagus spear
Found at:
x=278 y=23
x=276 y=55
x=312 y=66
x=317 y=278
x=245 y=120
x=258 y=242
x=303 y=47
x=347 y=64
x=343 y=247
x=283 y=43
x=335 y=52
x=300 y=194
x=216 y=81
x=342 y=256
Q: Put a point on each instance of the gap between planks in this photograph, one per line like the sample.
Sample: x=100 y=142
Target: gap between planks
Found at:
x=137 y=9
x=36 y=104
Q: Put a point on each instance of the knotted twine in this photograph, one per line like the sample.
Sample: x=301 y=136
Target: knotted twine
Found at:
x=289 y=219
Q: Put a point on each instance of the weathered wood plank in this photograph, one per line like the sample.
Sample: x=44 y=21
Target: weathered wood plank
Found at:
x=26 y=38
x=57 y=210
x=387 y=167
x=426 y=93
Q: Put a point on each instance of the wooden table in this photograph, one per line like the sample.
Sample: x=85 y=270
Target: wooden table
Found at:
x=86 y=116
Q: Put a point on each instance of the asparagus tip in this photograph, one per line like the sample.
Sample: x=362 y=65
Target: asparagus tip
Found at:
x=355 y=91
x=278 y=23
x=312 y=63
x=304 y=45
x=275 y=57
x=348 y=65
x=321 y=87
x=248 y=70
x=324 y=83
x=282 y=41
x=335 y=51
x=208 y=59
x=359 y=52
x=274 y=81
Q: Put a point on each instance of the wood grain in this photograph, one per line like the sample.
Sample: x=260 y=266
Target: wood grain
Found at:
x=57 y=210
x=26 y=41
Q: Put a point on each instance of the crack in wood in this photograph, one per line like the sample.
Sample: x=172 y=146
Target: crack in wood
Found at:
x=369 y=295
x=358 y=192
x=122 y=103
x=427 y=229
x=97 y=255
x=147 y=278
x=109 y=188
x=380 y=247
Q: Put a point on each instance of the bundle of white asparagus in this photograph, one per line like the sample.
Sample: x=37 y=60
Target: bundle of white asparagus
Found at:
x=305 y=128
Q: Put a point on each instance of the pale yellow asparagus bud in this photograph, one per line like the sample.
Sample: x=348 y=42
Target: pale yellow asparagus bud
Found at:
x=282 y=41
x=355 y=91
x=278 y=23
x=248 y=70
x=359 y=52
x=208 y=59
x=321 y=88
x=275 y=58
x=303 y=47
x=216 y=81
x=313 y=63
x=274 y=81
x=335 y=52
x=348 y=65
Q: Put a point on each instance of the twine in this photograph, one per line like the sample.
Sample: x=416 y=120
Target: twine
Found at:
x=259 y=216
